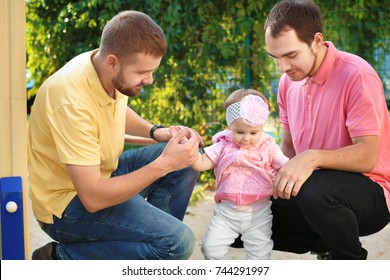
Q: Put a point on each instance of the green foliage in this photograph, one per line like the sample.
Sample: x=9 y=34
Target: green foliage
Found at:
x=360 y=27
x=215 y=46
x=57 y=31
x=206 y=49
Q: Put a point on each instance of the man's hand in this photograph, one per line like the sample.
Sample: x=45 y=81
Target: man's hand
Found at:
x=174 y=129
x=179 y=154
x=293 y=175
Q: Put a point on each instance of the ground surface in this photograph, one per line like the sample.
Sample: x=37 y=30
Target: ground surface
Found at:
x=198 y=217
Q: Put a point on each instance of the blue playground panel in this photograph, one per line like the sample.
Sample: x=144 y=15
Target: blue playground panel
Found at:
x=12 y=228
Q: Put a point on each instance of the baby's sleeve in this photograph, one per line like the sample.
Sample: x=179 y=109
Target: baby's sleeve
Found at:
x=214 y=151
x=279 y=158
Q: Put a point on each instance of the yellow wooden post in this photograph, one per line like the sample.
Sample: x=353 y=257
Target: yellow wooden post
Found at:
x=13 y=111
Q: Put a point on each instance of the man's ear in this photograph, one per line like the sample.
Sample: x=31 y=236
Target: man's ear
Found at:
x=318 y=40
x=112 y=63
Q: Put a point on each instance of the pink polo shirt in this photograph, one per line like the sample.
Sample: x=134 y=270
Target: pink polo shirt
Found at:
x=344 y=99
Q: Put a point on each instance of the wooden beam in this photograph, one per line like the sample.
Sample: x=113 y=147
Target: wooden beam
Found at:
x=13 y=111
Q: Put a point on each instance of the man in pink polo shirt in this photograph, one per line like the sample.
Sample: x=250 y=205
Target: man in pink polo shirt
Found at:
x=335 y=130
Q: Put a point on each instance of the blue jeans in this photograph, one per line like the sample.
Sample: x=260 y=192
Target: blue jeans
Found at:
x=147 y=226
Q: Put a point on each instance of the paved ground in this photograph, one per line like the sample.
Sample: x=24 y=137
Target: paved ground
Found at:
x=198 y=217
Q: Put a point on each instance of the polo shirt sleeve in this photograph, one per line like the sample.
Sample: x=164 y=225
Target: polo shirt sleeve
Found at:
x=75 y=134
x=363 y=112
x=281 y=98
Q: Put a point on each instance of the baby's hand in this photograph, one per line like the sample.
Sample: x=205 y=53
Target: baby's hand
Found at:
x=174 y=129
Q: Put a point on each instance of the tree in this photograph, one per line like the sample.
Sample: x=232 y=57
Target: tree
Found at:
x=208 y=49
x=214 y=46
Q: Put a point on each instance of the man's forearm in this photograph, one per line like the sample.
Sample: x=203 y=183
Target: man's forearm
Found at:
x=358 y=157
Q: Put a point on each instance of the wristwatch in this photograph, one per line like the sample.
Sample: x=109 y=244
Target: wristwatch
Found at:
x=153 y=129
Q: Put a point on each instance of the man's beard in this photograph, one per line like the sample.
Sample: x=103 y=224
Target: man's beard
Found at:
x=305 y=74
x=314 y=62
x=119 y=83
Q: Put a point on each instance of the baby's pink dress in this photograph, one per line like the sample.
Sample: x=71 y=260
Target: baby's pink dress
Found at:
x=244 y=175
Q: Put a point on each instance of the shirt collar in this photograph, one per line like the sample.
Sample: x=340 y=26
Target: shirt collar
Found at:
x=326 y=65
x=96 y=86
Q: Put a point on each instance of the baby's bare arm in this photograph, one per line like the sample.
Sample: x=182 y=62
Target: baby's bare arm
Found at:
x=203 y=163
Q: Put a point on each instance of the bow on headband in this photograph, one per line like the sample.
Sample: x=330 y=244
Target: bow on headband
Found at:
x=251 y=109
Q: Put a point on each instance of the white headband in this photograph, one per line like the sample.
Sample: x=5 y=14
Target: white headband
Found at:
x=251 y=109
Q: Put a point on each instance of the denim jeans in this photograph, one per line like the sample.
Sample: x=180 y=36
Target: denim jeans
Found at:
x=147 y=226
x=331 y=211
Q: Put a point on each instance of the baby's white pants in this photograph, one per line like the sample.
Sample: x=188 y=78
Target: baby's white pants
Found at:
x=226 y=225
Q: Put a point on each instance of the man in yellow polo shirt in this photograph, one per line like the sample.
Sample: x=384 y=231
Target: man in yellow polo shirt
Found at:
x=93 y=200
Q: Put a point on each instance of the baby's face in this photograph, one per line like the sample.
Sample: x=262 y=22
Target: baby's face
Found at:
x=245 y=135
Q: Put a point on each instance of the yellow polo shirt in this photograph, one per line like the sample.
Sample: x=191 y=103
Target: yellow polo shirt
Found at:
x=73 y=121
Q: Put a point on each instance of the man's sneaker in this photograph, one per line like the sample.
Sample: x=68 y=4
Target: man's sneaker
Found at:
x=46 y=252
x=322 y=255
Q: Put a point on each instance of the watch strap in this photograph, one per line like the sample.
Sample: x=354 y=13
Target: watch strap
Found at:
x=153 y=129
